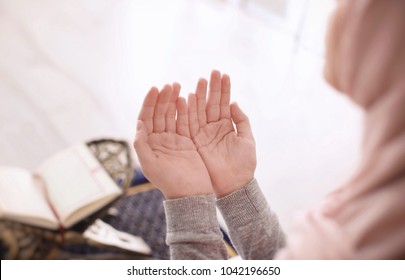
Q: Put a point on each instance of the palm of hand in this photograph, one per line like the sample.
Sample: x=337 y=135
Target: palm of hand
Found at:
x=189 y=149
x=164 y=147
x=228 y=157
x=178 y=162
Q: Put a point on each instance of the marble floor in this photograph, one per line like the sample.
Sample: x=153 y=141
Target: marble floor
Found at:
x=72 y=71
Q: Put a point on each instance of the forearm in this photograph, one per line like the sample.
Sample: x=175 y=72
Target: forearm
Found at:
x=192 y=228
x=254 y=229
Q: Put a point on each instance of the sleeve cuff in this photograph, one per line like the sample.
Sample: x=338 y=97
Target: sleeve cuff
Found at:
x=243 y=205
x=195 y=213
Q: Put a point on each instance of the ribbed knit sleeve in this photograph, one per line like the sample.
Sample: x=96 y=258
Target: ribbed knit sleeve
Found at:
x=192 y=228
x=254 y=229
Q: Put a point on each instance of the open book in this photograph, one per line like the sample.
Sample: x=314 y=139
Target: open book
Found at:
x=65 y=189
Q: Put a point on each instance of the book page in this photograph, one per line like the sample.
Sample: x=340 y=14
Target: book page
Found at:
x=77 y=184
x=21 y=200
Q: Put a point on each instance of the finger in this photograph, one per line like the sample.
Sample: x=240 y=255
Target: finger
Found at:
x=171 y=109
x=148 y=108
x=159 y=120
x=182 y=118
x=241 y=122
x=214 y=97
x=142 y=148
x=225 y=109
x=201 y=93
x=192 y=115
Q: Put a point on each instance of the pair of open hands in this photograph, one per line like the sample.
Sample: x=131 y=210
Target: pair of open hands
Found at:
x=192 y=148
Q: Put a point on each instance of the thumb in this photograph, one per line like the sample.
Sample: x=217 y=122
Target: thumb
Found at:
x=241 y=122
x=141 y=144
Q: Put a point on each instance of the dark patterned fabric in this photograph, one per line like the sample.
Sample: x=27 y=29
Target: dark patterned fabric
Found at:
x=143 y=215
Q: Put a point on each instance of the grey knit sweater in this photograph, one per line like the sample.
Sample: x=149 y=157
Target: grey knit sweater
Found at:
x=193 y=231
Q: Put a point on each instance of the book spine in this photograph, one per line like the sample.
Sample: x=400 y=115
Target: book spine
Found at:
x=42 y=186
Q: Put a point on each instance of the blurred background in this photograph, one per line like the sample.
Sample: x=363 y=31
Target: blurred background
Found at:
x=73 y=71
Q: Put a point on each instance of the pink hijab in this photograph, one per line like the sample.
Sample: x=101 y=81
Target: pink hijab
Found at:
x=365 y=218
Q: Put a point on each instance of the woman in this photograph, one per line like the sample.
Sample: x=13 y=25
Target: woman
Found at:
x=198 y=160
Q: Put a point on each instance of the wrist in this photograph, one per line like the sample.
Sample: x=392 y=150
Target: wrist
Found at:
x=187 y=191
x=227 y=189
